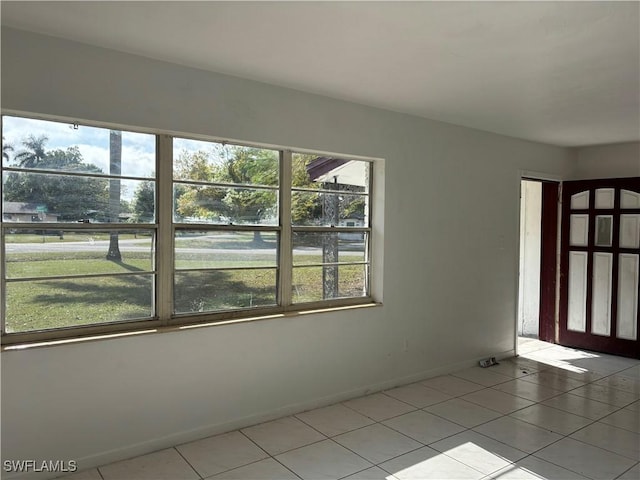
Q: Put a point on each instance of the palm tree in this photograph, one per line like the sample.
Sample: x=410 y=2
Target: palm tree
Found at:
x=115 y=168
x=34 y=152
x=6 y=148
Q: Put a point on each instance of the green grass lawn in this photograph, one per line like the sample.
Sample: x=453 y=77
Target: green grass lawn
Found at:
x=71 y=302
x=86 y=263
x=54 y=303
x=54 y=237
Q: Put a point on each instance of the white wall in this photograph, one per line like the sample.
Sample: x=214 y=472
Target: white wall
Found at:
x=450 y=244
x=607 y=161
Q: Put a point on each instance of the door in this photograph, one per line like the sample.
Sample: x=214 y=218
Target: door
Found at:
x=548 y=261
x=600 y=266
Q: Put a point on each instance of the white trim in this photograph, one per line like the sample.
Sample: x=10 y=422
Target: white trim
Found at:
x=533 y=175
x=185 y=436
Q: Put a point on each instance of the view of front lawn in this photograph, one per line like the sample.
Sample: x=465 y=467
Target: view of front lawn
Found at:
x=245 y=276
x=79 y=216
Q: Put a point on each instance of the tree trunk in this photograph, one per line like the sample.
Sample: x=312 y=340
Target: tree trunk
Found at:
x=331 y=214
x=115 y=167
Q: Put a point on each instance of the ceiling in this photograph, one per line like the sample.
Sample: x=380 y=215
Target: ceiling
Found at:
x=563 y=73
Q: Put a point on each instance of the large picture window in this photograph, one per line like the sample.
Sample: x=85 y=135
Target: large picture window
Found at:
x=109 y=229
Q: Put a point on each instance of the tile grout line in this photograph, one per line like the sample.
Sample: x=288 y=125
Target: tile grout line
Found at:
x=592 y=422
x=606 y=450
x=175 y=447
x=376 y=422
x=100 y=473
x=255 y=461
x=551 y=369
x=628 y=470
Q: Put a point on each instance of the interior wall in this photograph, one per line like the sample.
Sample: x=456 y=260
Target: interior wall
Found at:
x=449 y=242
x=607 y=161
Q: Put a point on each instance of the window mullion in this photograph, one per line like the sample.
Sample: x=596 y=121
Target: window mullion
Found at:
x=164 y=233
x=2 y=240
x=3 y=283
x=285 y=260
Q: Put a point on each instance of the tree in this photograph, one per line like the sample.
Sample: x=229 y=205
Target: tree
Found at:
x=235 y=205
x=193 y=201
x=250 y=166
x=242 y=166
x=144 y=201
x=70 y=197
x=115 y=168
x=353 y=206
x=304 y=206
x=34 y=154
x=6 y=148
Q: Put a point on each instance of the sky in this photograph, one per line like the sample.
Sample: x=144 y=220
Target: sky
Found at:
x=138 y=149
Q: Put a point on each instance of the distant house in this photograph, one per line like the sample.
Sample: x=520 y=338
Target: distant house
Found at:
x=353 y=220
x=336 y=170
x=345 y=176
x=26 y=212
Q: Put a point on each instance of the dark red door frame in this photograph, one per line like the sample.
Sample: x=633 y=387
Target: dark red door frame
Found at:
x=548 y=262
x=548 y=258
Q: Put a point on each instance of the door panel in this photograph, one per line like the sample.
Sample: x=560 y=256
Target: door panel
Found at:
x=628 y=296
x=548 y=261
x=600 y=266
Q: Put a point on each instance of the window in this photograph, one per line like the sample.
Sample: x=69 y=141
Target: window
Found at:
x=330 y=254
x=74 y=252
x=226 y=224
x=108 y=230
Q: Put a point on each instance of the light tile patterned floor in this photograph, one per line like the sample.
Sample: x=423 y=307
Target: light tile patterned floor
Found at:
x=552 y=413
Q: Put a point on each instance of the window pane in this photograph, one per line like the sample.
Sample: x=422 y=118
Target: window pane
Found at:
x=328 y=209
x=225 y=205
x=59 y=146
x=629 y=199
x=47 y=253
x=604 y=230
x=198 y=249
x=224 y=290
x=580 y=201
x=47 y=304
x=630 y=231
x=325 y=247
x=218 y=163
x=36 y=197
x=312 y=284
x=579 y=230
x=604 y=197
x=346 y=177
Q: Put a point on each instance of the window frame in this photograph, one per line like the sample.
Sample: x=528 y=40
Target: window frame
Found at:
x=165 y=229
x=365 y=229
x=221 y=227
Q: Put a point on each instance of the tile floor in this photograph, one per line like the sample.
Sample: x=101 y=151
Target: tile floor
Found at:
x=551 y=413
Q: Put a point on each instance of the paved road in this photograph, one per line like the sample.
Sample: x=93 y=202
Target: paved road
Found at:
x=51 y=245
x=140 y=245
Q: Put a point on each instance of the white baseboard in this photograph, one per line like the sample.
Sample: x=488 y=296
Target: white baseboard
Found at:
x=178 y=438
